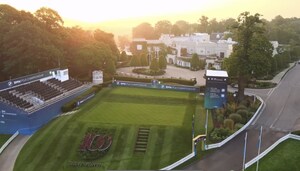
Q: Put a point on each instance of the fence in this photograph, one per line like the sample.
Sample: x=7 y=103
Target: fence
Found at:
x=261 y=155
x=220 y=144
x=9 y=141
x=179 y=162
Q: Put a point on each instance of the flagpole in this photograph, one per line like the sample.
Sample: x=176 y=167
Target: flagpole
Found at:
x=245 y=150
x=259 y=145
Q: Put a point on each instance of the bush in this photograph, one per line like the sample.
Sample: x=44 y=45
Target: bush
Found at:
x=296 y=132
x=229 y=123
x=146 y=71
x=149 y=80
x=235 y=117
x=244 y=114
x=219 y=134
x=72 y=104
x=238 y=126
x=241 y=107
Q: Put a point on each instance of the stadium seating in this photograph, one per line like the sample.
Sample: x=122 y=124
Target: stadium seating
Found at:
x=35 y=93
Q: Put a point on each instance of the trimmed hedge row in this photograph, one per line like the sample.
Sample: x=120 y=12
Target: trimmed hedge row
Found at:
x=72 y=104
x=166 y=80
x=146 y=71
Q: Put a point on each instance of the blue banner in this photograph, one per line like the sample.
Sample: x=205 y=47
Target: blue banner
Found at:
x=84 y=99
x=26 y=79
x=156 y=85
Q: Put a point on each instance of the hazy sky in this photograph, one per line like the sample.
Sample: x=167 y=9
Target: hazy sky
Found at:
x=190 y=10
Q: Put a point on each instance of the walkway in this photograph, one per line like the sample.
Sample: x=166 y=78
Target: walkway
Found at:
x=10 y=154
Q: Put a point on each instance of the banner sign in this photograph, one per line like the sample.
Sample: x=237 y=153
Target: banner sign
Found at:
x=157 y=85
x=84 y=99
x=25 y=79
x=215 y=89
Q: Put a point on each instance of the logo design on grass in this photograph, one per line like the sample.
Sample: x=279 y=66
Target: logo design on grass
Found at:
x=95 y=143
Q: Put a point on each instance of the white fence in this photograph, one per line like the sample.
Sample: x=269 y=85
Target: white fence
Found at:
x=9 y=141
x=179 y=162
x=220 y=144
x=261 y=155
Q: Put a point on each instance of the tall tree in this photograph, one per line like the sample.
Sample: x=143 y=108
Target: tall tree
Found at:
x=195 y=62
x=144 y=30
x=162 y=62
x=154 y=65
x=203 y=27
x=253 y=52
x=49 y=17
x=163 y=27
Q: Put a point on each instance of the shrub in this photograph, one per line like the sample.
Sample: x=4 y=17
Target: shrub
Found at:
x=72 y=104
x=238 y=126
x=219 y=134
x=235 y=117
x=229 y=123
x=244 y=114
x=231 y=107
x=241 y=107
x=146 y=71
x=296 y=132
x=149 y=80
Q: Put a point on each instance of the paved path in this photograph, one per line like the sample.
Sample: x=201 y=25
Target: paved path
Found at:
x=10 y=154
x=171 y=71
x=280 y=116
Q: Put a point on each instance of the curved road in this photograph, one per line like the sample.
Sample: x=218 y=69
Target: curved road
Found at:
x=280 y=116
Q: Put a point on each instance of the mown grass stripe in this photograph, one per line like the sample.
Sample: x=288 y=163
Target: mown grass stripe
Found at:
x=120 y=147
x=167 y=146
x=128 y=150
x=68 y=147
x=29 y=154
x=52 y=139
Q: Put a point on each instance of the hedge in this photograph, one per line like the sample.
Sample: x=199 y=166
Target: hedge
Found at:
x=165 y=80
x=72 y=104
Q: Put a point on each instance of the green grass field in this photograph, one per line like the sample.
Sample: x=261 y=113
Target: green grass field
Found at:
x=284 y=157
x=4 y=138
x=168 y=114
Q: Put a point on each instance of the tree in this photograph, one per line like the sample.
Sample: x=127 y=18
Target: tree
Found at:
x=195 y=62
x=144 y=30
x=108 y=39
x=183 y=26
x=110 y=67
x=154 y=65
x=162 y=62
x=123 y=41
x=144 y=59
x=135 y=61
x=163 y=27
x=253 y=52
x=49 y=17
x=203 y=24
x=123 y=56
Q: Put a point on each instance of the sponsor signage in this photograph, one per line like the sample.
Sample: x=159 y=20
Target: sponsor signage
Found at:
x=156 y=84
x=215 y=89
x=86 y=98
x=25 y=79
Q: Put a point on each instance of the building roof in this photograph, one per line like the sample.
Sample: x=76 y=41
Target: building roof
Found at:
x=216 y=73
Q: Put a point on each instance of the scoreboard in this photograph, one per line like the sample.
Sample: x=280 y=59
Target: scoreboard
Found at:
x=215 y=89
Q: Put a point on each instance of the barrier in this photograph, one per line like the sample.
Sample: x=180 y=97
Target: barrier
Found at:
x=261 y=155
x=9 y=141
x=179 y=162
x=220 y=144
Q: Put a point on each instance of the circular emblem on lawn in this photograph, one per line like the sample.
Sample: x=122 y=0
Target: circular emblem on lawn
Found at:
x=95 y=144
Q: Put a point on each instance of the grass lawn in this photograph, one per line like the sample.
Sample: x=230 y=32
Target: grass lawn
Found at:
x=167 y=114
x=4 y=138
x=284 y=157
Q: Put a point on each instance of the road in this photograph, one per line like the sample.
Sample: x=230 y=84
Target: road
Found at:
x=279 y=117
x=10 y=154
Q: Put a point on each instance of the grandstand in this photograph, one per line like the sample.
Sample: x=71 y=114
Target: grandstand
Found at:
x=31 y=101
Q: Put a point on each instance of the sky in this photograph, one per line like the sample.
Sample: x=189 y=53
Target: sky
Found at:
x=130 y=12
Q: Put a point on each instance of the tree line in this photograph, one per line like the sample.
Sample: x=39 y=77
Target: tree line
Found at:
x=283 y=30
x=33 y=42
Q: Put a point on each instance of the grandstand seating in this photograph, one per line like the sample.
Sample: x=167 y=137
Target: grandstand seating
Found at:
x=29 y=95
x=66 y=85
